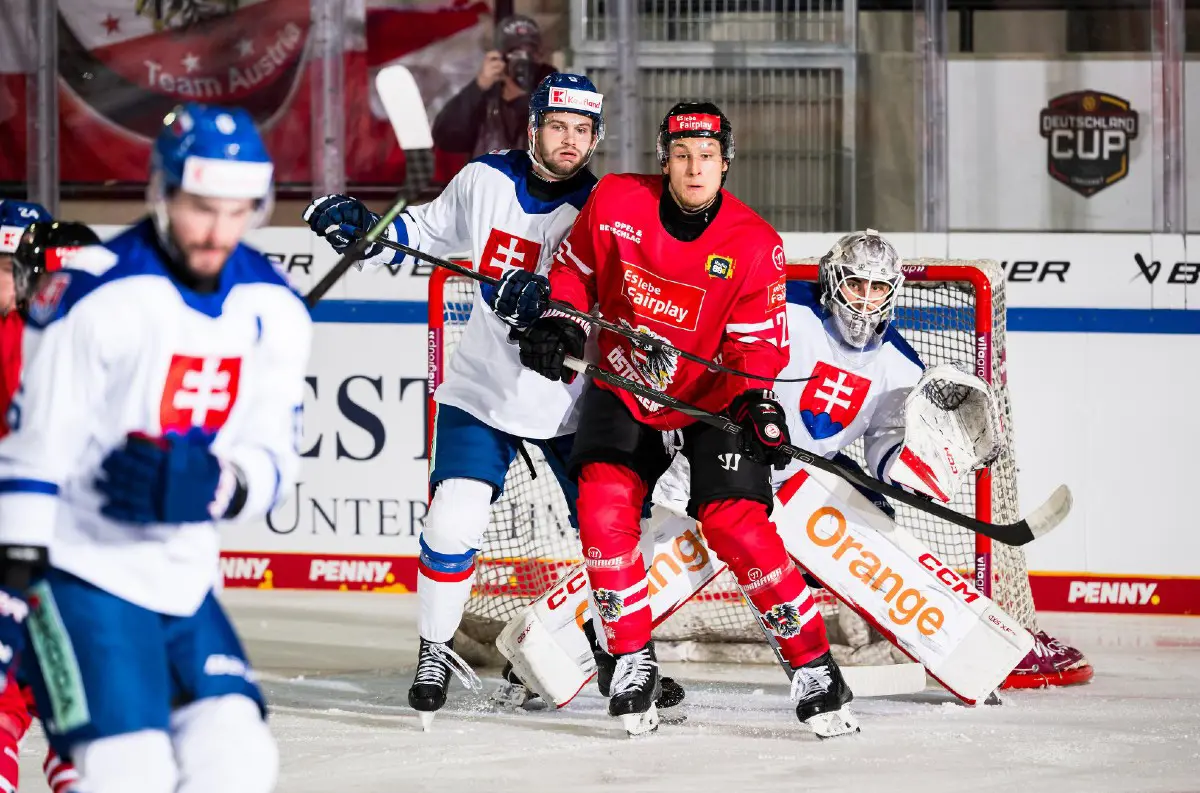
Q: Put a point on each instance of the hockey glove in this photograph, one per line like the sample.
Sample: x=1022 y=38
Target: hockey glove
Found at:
x=327 y=214
x=764 y=426
x=175 y=479
x=520 y=297
x=548 y=342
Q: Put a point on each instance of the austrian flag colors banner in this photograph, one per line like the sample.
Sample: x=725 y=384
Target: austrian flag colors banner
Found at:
x=123 y=64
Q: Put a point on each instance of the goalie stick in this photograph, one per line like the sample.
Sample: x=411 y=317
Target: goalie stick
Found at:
x=648 y=342
x=1040 y=521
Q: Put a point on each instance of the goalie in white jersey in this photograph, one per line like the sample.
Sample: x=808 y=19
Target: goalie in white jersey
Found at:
x=510 y=210
x=161 y=400
x=861 y=379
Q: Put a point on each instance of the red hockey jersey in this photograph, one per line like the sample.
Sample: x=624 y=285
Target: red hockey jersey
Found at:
x=12 y=329
x=721 y=296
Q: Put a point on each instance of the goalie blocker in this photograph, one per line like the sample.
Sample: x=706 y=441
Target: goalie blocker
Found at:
x=965 y=642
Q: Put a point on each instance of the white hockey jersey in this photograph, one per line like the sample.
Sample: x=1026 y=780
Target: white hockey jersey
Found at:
x=115 y=346
x=843 y=401
x=840 y=404
x=487 y=208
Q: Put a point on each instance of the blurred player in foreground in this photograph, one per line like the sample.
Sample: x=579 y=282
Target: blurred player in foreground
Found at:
x=161 y=399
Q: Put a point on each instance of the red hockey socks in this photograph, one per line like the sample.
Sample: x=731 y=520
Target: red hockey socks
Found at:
x=14 y=721
x=61 y=776
x=610 y=511
x=740 y=533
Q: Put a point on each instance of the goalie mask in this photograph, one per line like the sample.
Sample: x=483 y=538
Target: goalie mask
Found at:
x=860 y=279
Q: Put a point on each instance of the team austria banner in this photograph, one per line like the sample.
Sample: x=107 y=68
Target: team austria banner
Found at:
x=123 y=64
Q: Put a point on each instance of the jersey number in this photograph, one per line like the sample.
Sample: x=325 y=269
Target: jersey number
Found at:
x=781 y=326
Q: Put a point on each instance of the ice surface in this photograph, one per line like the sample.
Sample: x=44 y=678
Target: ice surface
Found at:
x=336 y=668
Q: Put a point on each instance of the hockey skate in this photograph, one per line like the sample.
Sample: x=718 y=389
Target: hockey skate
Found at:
x=672 y=693
x=435 y=662
x=635 y=687
x=823 y=698
x=513 y=693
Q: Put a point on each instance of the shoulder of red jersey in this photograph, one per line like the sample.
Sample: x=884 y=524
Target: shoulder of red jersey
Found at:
x=627 y=182
x=752 y=228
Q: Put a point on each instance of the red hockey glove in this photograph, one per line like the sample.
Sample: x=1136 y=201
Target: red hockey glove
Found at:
x=764 y=426
x=547 y=343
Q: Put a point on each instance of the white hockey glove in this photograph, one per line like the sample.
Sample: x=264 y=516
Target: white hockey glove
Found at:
x=952 y=426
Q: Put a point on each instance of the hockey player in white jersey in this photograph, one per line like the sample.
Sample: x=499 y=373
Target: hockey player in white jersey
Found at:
x=161 y=400
x=510 y=209
x=857 y=373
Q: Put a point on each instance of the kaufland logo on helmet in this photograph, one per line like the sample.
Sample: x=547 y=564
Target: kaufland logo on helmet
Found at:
x=575 y=99
x=695 y=122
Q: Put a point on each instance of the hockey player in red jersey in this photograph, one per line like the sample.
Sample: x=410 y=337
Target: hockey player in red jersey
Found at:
x=24 y=256
x=678 y=258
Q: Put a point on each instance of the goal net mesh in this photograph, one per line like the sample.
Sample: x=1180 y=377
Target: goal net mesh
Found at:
x=948 y=311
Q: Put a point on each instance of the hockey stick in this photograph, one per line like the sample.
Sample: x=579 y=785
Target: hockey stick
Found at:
x=404 y=107
x=648 y=342
x=353 y=254
x=1040 y=521
x=406 y=111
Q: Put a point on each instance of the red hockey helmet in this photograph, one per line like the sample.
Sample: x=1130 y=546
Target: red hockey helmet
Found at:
x=695 y=120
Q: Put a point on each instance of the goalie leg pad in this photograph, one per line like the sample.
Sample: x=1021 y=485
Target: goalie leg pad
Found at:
x=909 y=595
x=454 y=528
x=739 y=532
x=541 y=660
x=679 y=565
x=610 y=509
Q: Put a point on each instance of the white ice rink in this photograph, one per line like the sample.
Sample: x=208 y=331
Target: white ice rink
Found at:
x=337 y=667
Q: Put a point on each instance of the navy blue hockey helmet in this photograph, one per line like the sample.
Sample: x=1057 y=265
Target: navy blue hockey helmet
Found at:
x=567 y=93
x=14 y=217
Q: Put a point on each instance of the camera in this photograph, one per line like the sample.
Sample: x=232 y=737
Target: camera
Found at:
x=521 y=68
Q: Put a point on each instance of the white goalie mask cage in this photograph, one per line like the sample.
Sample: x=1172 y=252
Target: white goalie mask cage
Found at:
x=867 y=256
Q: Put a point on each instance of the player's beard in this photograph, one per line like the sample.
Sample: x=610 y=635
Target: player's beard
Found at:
x=558 y=168
x=205 y=261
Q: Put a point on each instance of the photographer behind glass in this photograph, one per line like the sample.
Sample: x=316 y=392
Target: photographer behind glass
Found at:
x=492 y=111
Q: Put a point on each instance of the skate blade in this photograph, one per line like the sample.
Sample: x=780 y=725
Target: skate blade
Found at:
x=427 y=719
x=640 y=723
x=834 y=723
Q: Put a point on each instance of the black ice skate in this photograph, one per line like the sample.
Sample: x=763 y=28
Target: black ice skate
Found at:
x=823 y=698
x=672 y=693
x=435 y=662
x=635 y=686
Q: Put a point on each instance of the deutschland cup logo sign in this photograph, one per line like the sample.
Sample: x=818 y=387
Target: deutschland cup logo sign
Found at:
x=1087 y=137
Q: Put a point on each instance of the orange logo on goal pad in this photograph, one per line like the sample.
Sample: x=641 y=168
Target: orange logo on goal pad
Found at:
x=906 y=603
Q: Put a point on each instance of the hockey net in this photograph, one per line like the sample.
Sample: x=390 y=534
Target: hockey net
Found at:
x=948 y=311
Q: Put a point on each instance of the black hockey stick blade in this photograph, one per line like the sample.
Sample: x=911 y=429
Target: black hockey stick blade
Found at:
x=353 y=254
x=652 y=343
x=1041 y=521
